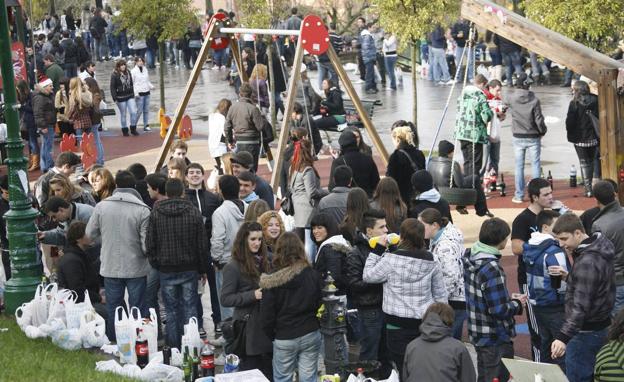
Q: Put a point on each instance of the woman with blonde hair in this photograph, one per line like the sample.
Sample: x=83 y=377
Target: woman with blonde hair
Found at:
x=405 y=160
x=259 y=86
x=272 y=228
x=61 y=103
x=387 y=198
x=80 y=104
x=103 y=183
x=61 y=186
x=216 y=136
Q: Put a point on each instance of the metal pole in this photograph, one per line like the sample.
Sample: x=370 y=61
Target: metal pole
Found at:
x=279 y=32
x=25 y=267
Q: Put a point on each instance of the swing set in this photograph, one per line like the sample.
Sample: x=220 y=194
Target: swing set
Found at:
x=312 y=37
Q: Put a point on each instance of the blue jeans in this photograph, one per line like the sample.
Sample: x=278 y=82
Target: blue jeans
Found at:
x=152 y=285
x=142 y=105
x=174 y=53
x=390 y=62
x=458 y=324
x=512 y=62
x=468 y=59
x=47 y=147
x=226 y=312
x=115 y=289
x=95 y=129
x=112 y=44
x=33 y=142
x=71 y=70
x=218 y=57
x=581 y=353
x=326 y=70
x=98 y=49
x=127 y=106
x=619 y=300
x=521 y=146
x=371 y=327
x=438 y=65
x=179 y=291
x=150 y=58
x=370 y=75
x=537 y=67
x=298 y=354
x=496 y=57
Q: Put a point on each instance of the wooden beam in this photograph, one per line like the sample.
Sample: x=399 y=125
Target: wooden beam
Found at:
x=538 y=39
x=611 y=110
x=370 y=129
x=288 y=109
x=236 y=55
x=190 y=85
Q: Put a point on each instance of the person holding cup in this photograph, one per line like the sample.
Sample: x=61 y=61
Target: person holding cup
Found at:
x=546 y=263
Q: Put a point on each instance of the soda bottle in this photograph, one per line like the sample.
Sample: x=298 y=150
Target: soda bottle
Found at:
x=195 y=365
x=360 y=375
x=542 y=172
x=186 y=365
x=550 y=180
x=207 y=361
x=166 y=355
x=573 y=176
x=141 y=349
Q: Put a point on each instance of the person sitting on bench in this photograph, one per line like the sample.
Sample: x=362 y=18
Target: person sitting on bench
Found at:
x=332 y=107
x=440 y=169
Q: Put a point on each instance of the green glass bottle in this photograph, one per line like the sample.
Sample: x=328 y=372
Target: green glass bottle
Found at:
x=195 y=364
x=186 y=365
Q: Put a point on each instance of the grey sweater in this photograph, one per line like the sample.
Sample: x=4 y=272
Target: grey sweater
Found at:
x=225 y=223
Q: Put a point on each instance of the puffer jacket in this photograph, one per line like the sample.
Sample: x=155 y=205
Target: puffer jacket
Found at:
x=361 y=294
x=610 y=221
x=541 y=252
x=526 y=113
x=591 y=288
x=579 y=126
x=71 y=51
x=141 y=81
x=473 y=114
x=176 y=237
x=440 y=170
x=243 y=122
x=331 y=256
x=448 y=248
x=333 y=102
x=121 y=222
x=43 y=110
x=369 y=51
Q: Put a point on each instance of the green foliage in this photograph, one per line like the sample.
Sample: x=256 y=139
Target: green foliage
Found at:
x=410 y=20
x=595 y=23
x=262 y=13
x=166 y=19
x=37 y=9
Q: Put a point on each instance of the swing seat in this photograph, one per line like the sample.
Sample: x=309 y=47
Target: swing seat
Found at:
x=459 y=196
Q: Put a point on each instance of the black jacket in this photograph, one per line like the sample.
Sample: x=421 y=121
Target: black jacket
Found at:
x=365 y=173
x=333 y=102
x=71 y=51
x=121 y=91
x=176 y=238
x=76 y=272
x=361 y=294
x=206 y=202
x=97 y=27
x=418 y=206
x=27 y=116
x=440 y=170
x=505 y=45
x=463 y=26
x=400 y=168
x=43 y=110
x=290 y=299
x=330 y=258
x=579 y=126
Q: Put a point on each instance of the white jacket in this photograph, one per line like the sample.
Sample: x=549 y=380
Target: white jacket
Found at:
x=447 y=250
x=140 y=80
x=216 y=146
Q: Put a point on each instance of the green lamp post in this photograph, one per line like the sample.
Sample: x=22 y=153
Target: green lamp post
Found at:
x=25 y=268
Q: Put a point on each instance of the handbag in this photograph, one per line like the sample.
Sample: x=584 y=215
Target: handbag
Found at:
x=266 y=134
x=235 y=334
x=595 y=122
x=287 y=205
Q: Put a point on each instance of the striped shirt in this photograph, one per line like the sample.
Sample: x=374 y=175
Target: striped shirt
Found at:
x=610 y=362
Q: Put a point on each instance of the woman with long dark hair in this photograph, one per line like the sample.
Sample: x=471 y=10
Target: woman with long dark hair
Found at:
x=102 y=182
x=96 y=117
x=388 y=199
x=332 y=250
x=582 y=114
x=241 y=291
x=357 y=205
x=291 y=298
x=332 y=107
x=122 y=91
x=27 y=123
x=61 y=186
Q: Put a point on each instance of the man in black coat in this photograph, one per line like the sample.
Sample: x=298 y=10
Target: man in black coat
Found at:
x=71 y=56
x=365 y=173
x=426 y=196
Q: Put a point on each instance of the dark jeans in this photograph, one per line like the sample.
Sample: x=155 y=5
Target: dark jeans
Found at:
x=494 y=153
x=6 y=263
x=253 y=149
x=512 y=62
x=470 y=167
x=262 y=362
x=71 y=70
x=361 y=66
x=179 y=290
x=370 y=75
x=472 y=181
x=115 y=289
x=458 y=325
x=549 y=321
x=581 y=353
x=373 y=338
x=214 y=299
x=587 y=157
x=381 y=66
x=397 y=341
x=489 y=363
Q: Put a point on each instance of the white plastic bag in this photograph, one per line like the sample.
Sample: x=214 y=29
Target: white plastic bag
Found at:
x=68 y=339
x=92 y=330
x=53 y=325
x=125 y=333
x=212 y=180
x=191 y=337
x=398 y=73
x=161 y=372
x=33 y=332
x=58 y=303
x=150 y=331
x=74 y=310
x=40 y=305
x=23 y=315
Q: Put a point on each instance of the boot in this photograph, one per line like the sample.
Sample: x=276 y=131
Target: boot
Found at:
x=536 y=79
x=34 y=163
x=133 y=130
x=124 y=131
x=547 y=79
x=587 y=175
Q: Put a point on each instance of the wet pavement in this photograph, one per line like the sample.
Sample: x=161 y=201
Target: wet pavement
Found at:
x=557 y=153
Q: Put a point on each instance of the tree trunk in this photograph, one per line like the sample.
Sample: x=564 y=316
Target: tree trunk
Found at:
x=272 y=86
x=209 y=8
x=414 y=62
x=51 y=7
x=161 y=72
x=99 y=4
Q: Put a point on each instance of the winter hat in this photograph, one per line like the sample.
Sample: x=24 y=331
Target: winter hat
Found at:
x=523 y=81
x=422 y=181
x=243 y=158
x=445 y=148
x=347 y=138
x=45 y=81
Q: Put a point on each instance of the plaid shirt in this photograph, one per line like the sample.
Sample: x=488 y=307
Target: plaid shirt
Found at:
x=490 y=310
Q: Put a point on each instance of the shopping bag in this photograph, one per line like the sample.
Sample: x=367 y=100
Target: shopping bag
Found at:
x=191 y=337
x=53 y=325
x=23 y=315
x=74 y=310
x=92 y=330
x=125 y=335
x=39 y=306
x=68 y=339
x=56 y=311
x=150 y=331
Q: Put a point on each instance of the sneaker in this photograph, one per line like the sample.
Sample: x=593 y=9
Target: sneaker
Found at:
x=358 y=82
x=220 y=360
x=218 y=330
x=215 y=67
x=223 y=67
x=219 y=342
x=449 y=82
x=202 y=333
x=147 y=128
x=517 y=200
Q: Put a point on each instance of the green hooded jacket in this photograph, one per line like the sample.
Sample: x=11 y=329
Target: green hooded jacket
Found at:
x=473 y=115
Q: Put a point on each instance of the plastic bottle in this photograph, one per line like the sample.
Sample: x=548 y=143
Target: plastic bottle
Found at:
x=549 y=178
x=360 y=375
x=207 y=361
x=186 y=365
x=141 y=349
x=573 y=176
x=393 y=239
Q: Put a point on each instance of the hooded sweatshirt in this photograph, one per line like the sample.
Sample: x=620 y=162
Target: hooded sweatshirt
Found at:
x=331 y=256
x=490 y=309
x=541 y=252
x=436 y=356
x=447 y=248
x=429 y=199
x=176 y=237
x=225 y=223
x=526 y=113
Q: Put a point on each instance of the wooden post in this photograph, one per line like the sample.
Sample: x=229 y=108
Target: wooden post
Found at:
x=236 y=55
x=288 y=109
x=611 y=110
x=370 y=129
x=190 y=85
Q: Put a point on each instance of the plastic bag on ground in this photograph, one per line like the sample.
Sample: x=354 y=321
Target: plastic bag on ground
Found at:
x=34 y=332
x=93 y=330
x=394 y=377
x=74 y=310
x=68 y=339
x=52 y=326
x=150 y=330
x=191 y=337
x=58 y=303
x=39 y=306
x=23 y=315
x=161 y=372
x=125 y=332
